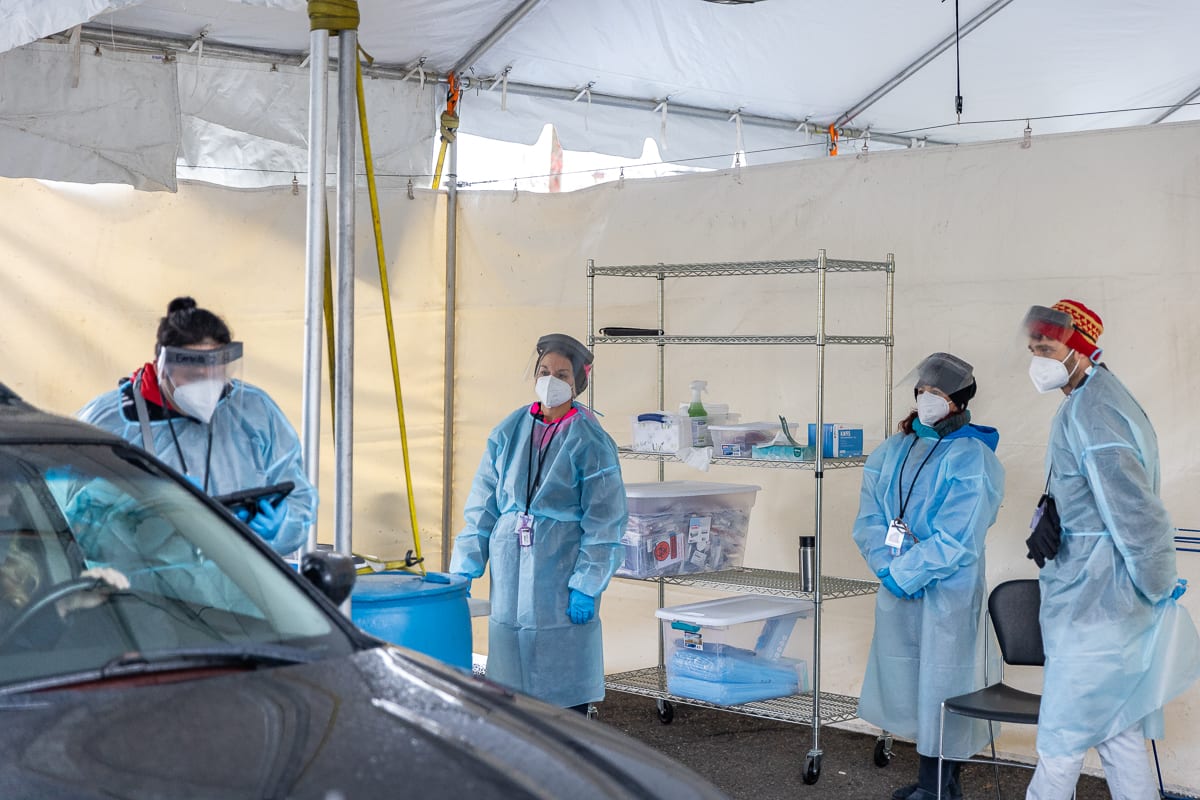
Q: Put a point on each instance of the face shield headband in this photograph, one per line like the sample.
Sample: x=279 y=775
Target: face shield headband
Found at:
x=1048 y=323
x=194 y=381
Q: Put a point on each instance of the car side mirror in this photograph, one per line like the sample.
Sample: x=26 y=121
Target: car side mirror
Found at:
x=332 y=573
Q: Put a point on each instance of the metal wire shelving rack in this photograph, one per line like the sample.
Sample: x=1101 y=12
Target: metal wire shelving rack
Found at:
x=814 y=707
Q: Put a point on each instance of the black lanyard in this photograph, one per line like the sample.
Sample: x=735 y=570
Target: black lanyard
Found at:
x=179 y=452
x=532 y=485
x=900 y=483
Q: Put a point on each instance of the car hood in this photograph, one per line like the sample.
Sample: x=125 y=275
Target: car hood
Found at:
x=381 y=722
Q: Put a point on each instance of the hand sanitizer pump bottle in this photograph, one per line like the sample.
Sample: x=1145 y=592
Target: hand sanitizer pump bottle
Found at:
x=698 y=416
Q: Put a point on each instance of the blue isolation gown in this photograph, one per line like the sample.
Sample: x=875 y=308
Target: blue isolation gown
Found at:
x=1118 y=648
x=579 y=514
x=252 y=445
x=926 y=650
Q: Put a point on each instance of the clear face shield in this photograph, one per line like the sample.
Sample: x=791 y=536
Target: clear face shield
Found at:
x=195 y=379
x=561 y=357
x=942 y=371
x=933 y=380
x=1045 y=333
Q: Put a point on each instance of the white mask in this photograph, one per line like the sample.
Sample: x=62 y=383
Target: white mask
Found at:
x=1049 y=374
x=552 y=391
x=932 y=408
x=199 y=399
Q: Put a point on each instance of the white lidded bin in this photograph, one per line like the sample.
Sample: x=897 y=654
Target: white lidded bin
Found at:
x=737 y=650
x=682 y=527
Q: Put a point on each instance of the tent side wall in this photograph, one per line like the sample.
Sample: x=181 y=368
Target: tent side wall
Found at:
x=979 y=234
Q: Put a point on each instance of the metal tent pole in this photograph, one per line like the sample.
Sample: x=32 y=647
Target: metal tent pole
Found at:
x=314 y=262
x=448 y=380
x=344 y=379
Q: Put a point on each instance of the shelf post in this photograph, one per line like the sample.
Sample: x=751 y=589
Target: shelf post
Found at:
x=818 y=475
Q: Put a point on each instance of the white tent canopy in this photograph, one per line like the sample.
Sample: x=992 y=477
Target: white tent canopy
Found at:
x=219 y=79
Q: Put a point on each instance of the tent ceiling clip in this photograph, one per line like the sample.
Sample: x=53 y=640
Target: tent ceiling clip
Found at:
x=586 y=91
x=1028 y=138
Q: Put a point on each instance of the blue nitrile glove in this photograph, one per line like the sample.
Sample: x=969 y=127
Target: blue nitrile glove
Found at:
x=1180 y=588
x=889 y=583
x=580 y=607
x=269 y=519
x=468 y=577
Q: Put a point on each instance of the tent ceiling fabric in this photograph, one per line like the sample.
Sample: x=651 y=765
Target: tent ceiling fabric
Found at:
x=50 y=130
x=778 y=62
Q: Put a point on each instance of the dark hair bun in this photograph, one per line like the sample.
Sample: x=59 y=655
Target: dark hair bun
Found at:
x=181 y=304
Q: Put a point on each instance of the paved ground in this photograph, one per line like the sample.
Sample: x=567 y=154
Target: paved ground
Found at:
x=754 y=759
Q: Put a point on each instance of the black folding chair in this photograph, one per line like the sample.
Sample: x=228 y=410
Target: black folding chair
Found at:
x=1013 y=608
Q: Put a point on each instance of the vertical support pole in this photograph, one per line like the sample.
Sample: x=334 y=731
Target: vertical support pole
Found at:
x=662 y=404
x=448 y=380
x=591 y=323
x=314 y=261
x=344 y=380
x=888 y=327
x=819 y=475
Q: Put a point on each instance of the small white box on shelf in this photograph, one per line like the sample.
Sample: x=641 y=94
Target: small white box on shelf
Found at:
x=682 y=527
x=737 y=649
x=660 y=432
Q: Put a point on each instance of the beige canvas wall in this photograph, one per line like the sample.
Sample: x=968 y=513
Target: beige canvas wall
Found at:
x=88 y=271
x=979 y=233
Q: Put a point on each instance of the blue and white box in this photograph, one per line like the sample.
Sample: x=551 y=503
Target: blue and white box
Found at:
x=840 y=439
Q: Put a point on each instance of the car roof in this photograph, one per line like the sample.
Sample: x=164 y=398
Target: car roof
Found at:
x=21 y=422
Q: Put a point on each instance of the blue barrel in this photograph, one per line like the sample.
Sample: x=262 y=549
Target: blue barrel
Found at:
x=428 y=613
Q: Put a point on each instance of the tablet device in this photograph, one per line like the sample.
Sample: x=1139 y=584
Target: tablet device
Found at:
x=248 y=498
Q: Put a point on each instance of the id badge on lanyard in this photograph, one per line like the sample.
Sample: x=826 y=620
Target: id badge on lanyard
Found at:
x=525 y=530
x=896 y=532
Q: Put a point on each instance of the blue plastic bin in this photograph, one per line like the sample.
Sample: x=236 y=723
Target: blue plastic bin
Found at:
x=428 y=614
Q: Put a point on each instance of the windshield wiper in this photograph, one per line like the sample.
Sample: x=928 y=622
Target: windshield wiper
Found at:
x=142 y=663
x=253 y=655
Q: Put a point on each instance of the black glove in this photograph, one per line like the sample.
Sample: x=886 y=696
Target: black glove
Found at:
x=1047 y=532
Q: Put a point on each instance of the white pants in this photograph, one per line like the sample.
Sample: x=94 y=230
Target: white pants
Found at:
x=1126 y=767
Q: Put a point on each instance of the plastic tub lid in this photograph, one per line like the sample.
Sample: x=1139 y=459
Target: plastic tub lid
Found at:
x=750 y=426
x=735 y=610
x=685 y=489
x=381 y=587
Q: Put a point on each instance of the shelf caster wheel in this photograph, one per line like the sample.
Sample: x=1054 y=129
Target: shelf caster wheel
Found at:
x=666 y=711
x=883 y=751
x=812 y=769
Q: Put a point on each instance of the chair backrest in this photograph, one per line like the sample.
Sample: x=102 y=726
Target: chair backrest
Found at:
x=1013 y=606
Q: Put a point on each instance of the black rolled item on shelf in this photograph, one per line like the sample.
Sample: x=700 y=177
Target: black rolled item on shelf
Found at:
x=619 y=331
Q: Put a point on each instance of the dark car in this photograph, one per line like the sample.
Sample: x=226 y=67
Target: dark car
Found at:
x=151 y=646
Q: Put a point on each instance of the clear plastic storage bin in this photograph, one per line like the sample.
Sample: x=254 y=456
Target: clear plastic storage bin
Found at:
x=737 y=649
x=680 y=527
x=737 y=441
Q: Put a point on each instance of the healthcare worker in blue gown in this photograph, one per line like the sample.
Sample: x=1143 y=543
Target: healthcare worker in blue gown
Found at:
x=929 y=495
x=1118 y=644
x=189 y=409
x=547 y=510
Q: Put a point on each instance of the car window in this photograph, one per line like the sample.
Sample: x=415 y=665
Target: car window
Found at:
x=103 y=555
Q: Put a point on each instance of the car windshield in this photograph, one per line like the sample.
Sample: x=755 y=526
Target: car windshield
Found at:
x=106 y=559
